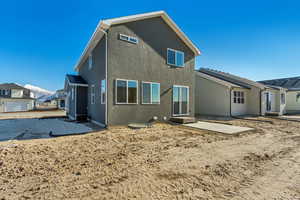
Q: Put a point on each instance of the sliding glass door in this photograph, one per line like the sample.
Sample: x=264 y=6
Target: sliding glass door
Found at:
x=180 y=100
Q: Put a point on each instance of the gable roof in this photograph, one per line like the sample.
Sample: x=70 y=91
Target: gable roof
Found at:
x=106 y=24
x=11 y=86
x=243 y=82
x=76 y=80
x=292 y=83
x=217 y=80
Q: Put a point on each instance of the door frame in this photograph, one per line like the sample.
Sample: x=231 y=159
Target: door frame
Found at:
x=180 y=105
x=268 y=102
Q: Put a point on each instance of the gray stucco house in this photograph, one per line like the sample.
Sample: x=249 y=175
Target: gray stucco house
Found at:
x=15 y=98
x=134 y=69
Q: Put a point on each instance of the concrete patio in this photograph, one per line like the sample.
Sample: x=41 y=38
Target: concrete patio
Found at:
x=217 y=127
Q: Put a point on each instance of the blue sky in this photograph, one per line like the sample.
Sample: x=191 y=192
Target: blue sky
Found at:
x=40 y=41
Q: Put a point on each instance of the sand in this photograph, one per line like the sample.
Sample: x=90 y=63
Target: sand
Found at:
x=163 y=162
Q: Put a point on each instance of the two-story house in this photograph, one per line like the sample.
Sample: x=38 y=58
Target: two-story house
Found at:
x=134 y=69
x=15 y=98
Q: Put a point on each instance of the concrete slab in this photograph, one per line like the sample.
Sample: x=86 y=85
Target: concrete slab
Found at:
x=217 y=127
x=290 y=117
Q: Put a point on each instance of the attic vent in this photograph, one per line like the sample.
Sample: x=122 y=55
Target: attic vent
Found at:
x=130 y=39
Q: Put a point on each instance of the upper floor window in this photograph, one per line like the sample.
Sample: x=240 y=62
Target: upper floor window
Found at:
x=238 y=97
x=16 y=93
x=126 y=91
x=129 y=39
x=150 y=93
x=90 y=61
x=175 y=58
x=4 y=92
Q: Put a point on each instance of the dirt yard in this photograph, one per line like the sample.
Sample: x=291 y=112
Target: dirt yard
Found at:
x=163 y=162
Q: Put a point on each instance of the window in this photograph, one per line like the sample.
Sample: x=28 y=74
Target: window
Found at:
x=126 y=91
x=150 y=93
x=93 y=94
x=130 y=39
x=6 y=92
x=90 y=61
x=282 y=96
x=72 y=93
x=238 y=97
x=175 y=58
x=103 y=91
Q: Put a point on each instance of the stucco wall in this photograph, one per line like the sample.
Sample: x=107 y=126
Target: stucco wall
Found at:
x=254 y=101
x=211 y=98
x=146 y=61
x=292 y=105
x=93 y=76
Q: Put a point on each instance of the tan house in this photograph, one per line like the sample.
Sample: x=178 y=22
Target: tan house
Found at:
x=293 y=92
x=15 y=98
x=223 y=94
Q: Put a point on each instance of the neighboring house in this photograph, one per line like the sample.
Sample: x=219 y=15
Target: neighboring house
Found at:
x=15 y=98
x=60 y=97
x=134 y=69
x=293 y=92
x=223 y=94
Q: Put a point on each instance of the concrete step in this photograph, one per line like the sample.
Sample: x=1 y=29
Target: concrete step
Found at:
x=183 y=120
x=272 y=114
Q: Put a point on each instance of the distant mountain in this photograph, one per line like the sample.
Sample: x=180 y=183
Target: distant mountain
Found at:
x=37 y=92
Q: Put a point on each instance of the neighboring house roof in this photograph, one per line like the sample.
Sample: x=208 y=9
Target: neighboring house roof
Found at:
x=243 y=82
x=217 y=80
x=276 y=87
x=105 y=25
x=11 y=86
x=76 y=80
x=292 y=83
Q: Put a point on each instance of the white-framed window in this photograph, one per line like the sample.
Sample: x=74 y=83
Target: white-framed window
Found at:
x=128 y=38
x=175 y=57
x=103 y=91
x=126 y=91
x=282 y=97
x=90 y=61
x=6 y=92
x=93 y=96
x=72 y=91
x=150 y=93
x=238 y=97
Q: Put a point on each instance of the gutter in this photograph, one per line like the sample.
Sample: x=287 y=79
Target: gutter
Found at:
x=106 y=67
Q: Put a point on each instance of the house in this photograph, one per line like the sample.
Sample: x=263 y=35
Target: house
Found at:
x=15 y=98
x=222 y=94
x=134 y=69
x=60 y=97
x=293 y=92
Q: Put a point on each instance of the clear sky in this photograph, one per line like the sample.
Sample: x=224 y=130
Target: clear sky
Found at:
x=40 y=41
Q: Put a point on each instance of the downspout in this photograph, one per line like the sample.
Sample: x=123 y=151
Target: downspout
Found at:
x=106 y=67
x=230 y=102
